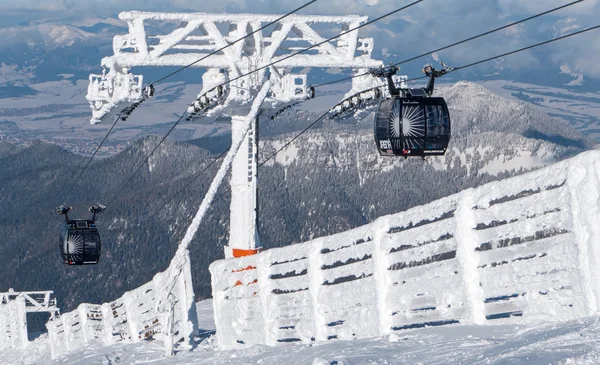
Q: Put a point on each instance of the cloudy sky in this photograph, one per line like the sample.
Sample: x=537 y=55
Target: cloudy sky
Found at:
x=426 y=26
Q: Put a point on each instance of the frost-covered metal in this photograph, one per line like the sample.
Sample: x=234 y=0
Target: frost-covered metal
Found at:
x=521 y=250
x=13 y=324
x=193 y=36
x=14 y=307
x=233 y=77
x=163 y=308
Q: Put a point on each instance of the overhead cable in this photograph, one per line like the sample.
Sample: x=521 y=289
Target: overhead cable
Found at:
x=254 y=71
x=458 y=43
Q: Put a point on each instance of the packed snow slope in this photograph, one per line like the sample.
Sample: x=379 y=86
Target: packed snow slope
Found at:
x=573 y=342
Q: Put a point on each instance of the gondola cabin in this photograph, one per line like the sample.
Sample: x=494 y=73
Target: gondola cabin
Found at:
x=412 y=126
x=80 y=242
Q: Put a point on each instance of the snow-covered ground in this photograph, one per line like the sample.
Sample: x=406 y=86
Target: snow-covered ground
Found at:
x=59 y=110
x=580 y=109
x=575 y=342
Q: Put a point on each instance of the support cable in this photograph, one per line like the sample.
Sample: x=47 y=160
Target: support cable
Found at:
x=410 y=80
x=254 y=71
x=455 y=69
x=62 y=200
x=171 y=74
x=234 y=42
x=458 y=43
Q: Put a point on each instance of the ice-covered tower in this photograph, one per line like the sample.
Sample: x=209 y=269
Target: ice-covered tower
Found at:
x=233 y=77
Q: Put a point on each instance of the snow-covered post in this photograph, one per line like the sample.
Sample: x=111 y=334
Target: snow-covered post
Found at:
x=380 y=265
x=66 y=331
x=3 y=337
x=168 y=319
x=18 y=322
x=52 y=337
x=10 y=327
x=132 y=317
x=22 y=320
x=83 y=319
x=187 y=305
x=263 y=262
x=583 y=181
x=53 y=326
x=315 y=277
x=107 y=323
x=466 y=241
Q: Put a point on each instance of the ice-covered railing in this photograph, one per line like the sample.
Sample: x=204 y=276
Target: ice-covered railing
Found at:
x=162 y=309
x=515 y=251
x=13 y=324
x=14 y=306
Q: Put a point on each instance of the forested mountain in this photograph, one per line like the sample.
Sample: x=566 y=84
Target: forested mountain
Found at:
x=331 y=179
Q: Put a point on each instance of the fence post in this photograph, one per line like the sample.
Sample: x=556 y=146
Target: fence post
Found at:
x=107 y=323
x=168 y=325
x=582 y=183
x=18 y=322
x=66 y=330
x=315 y=280
x=380 y=265
x=10 y=308
x=4 y=337
x=131 y=315
x=466 y=242
x=22 y=321
x=3 y=340
x=52 y=337
x=82 y=310
x=189 y=322
x=263 y=261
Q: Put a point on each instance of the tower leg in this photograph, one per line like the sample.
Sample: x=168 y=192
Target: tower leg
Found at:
x=243 y=232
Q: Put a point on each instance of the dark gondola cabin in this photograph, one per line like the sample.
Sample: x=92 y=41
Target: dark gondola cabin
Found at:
x=414 y=126
x=80 y=243
x=79 y=239
x=411 y=122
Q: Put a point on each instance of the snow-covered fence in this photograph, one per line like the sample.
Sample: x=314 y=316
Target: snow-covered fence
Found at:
x=14 y=307
x=162 y=309
x=13 y=324
x=513 y=251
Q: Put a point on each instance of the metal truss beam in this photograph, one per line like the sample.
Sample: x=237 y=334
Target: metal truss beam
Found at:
x=35 y=301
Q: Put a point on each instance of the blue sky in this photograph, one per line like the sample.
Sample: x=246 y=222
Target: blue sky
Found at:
x=431 y=24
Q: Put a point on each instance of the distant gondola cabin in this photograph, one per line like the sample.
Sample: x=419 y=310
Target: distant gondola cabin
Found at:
x=80 y=243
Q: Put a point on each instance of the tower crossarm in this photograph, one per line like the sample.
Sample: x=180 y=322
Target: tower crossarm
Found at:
x=193 y=37
x=200 y=34
x=35 y=301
